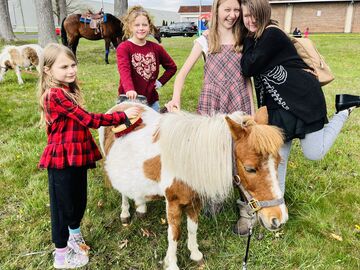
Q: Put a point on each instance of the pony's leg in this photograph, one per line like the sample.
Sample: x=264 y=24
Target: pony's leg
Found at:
x=173 y=211
x=2 y=73
x=73 y=43
x=107 y=46
x=114 y=42
x=140 y=207
x=192 y=212
x=18 y=74
x=125 y=213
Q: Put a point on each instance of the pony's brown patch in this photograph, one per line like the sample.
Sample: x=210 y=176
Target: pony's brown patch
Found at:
x=180 y=198
x=8 y=64
x=109 y=136
x=31 y=54
x=152 y=168
x=15 y=57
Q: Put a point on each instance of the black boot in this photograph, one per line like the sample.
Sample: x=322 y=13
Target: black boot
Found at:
x=344 y=101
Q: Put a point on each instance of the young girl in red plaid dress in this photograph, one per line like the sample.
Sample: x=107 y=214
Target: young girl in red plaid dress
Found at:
x=70 y=151
x=225 y=89
x=139 y=59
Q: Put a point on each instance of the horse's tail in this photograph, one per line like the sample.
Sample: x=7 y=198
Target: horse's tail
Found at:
x=64 y=39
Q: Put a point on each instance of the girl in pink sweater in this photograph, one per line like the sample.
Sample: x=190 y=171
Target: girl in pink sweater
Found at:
x=139 y=59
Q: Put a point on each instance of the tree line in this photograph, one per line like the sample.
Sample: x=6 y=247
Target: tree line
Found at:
x=45 y=11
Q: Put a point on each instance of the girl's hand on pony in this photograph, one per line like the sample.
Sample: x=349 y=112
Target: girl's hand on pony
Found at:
x=131 y=94
x=173 y=105
x=132 y=112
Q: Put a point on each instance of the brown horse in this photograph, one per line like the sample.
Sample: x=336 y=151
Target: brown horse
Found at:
x=111 y=30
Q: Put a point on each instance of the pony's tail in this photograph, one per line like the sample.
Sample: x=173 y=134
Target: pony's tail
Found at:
x=64 y=39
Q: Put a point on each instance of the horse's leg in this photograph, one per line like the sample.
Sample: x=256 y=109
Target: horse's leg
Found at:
x=114 y=42
x=125 y=206
x=107 y=46
x=2 y=73
x=140 y=207
x=74 y=45
x=18 y=74
x=174 y=212
x=192 y=211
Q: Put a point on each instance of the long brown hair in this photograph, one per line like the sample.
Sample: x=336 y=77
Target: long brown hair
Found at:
x=239 y=30
x=261 y=11
x=130 y=17
x=46 y=82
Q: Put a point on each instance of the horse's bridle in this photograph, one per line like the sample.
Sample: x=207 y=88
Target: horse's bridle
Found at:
x=252 y=204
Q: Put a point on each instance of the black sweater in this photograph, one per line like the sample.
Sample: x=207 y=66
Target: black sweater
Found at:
x=281 y=81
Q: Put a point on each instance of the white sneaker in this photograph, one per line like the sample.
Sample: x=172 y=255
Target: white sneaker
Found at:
x=72 y=260
x=77 y=243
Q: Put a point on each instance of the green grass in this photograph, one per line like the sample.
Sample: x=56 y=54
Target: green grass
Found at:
x=322 y=197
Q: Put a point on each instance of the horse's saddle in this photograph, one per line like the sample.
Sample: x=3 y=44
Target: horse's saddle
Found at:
x=93 y=19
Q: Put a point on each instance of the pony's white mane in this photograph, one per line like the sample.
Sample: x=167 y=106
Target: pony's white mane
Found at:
x=198 y=151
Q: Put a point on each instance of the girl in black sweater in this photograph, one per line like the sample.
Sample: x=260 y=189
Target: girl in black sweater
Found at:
x=292 y=94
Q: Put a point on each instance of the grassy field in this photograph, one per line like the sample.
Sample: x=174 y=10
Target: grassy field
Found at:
x=323 y=231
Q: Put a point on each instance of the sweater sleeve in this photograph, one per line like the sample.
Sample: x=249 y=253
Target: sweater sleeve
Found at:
x=168 y=64
x=66 y=107
x=257 y=55
x=124 y=66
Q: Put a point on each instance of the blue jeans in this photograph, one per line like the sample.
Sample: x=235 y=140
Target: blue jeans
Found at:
x=314 y=146
x=156 y=106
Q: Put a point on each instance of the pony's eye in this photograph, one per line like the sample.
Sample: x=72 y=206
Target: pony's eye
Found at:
x=250 y=169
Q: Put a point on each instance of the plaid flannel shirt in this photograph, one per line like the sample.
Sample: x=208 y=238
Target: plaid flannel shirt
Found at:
x=70 y=142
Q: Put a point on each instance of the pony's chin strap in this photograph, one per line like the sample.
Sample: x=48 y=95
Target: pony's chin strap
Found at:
x=251 y=203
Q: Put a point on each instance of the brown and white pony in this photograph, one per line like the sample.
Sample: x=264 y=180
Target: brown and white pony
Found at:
x=190 y=158
x=16 y=57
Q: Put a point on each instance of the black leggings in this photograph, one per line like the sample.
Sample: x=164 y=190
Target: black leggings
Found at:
x=68 y=192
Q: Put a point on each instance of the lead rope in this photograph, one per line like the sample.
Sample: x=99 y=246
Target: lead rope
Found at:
x=247 y=249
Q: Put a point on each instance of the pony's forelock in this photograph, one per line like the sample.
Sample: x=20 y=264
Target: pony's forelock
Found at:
x=265 y=139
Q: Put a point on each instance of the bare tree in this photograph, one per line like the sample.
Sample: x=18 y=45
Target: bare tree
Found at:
x=45 y=20
x=60 y=10
x=120 y=7
x=64 y=7
x=6 y=30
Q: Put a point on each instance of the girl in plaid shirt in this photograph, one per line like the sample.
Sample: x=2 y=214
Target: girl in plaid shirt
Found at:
x=70 y=151
x=225 y=89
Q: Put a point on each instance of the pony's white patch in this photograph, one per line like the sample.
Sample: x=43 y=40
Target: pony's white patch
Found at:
x=192 y=245
x=275 y=188
x=171 y=259
x=187 y=139
x=21 y=60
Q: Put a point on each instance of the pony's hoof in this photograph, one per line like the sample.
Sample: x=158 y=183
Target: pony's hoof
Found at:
x=200 y=263
x=125 y=221
x=140 y=215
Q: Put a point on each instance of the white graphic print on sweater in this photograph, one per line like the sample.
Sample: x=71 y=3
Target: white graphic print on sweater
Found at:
x=277 y=75
x=145 y=65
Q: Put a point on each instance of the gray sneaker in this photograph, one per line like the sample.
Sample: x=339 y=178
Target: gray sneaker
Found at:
x=72 y=260
x=77 y=243
x=245 y=221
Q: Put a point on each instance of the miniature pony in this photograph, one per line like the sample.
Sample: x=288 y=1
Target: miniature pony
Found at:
x=190 y=159
x=16 y=57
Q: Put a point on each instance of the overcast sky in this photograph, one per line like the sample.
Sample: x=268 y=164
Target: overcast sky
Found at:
x=172 y=5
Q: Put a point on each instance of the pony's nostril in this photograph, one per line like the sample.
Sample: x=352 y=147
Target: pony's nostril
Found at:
x=275 y=223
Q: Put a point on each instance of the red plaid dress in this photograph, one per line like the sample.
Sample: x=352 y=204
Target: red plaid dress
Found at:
x=69 y=140
x=224 y=89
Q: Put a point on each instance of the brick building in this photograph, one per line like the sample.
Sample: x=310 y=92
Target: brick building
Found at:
x=321 y=16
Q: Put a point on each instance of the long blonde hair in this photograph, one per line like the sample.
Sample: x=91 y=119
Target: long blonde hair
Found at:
x=130 y=17
x=239 y=30
x=46 y=82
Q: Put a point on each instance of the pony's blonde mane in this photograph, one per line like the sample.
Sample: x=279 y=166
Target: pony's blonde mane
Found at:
x=265 y=139
x=198 y=151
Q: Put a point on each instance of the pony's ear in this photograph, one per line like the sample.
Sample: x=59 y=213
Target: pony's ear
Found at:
x=237 y=131
x=261 y=116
